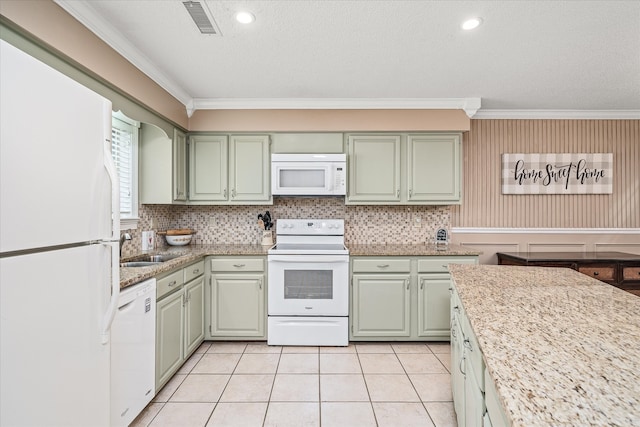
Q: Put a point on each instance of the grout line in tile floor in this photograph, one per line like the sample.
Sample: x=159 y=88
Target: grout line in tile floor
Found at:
x=383 y=391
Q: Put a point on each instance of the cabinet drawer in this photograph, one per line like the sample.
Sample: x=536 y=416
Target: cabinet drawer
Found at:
x=438 y=264
x=192 y=271
x=631 y=274
x=384 y=265
x=169 y=283
x=237 y=264
x=600 y=272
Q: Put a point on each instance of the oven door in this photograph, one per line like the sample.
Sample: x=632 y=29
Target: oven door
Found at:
x=308 y=285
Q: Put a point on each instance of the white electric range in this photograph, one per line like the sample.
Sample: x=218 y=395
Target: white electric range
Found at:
x=308 y=298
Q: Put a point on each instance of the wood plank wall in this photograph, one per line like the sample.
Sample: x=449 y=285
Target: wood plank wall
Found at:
x=483 y=204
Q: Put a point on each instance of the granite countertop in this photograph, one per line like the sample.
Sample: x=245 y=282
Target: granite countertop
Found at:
x=562 y=348
x=409 y=250
x=190 y=253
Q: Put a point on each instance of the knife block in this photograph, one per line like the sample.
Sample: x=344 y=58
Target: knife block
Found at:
x=267 y=238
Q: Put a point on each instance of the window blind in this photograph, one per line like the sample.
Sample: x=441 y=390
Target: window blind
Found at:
x=122 y=144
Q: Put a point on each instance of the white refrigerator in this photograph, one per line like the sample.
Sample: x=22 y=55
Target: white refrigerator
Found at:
x=59 y=255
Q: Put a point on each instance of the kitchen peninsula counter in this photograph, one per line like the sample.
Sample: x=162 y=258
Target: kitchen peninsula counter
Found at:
x=190 y=253
x=561 y=348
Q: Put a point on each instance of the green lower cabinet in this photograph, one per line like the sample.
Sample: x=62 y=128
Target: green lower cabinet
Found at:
x=194 y=314
x=237 y=306
x=179 y=319
x=381 y=306
x=433 y=305
x=169 y=337
x=402 y=298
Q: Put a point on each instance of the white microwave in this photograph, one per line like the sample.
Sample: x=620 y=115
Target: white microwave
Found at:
x=309 y=174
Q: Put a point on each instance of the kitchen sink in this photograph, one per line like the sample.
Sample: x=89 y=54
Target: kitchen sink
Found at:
x=139 y=263
x=149 y=260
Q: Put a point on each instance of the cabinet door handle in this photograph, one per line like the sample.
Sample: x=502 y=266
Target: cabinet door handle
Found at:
x=260 y=283
x=467 y=344
x=410 y=192
x=238 y=265
x=595 y=273
x=175 y=282
x=196 y=271
x=460 y=367
x=421 y=283
x=408 y=282
x=383 y=265
x=233 y=193
x=398 y=193
x=225 y=193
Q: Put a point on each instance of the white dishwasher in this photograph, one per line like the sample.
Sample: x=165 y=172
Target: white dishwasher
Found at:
x=133 y=352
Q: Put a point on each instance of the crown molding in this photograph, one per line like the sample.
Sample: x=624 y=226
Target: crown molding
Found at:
x=86 y=15
x=469 y=105
x=559 y=114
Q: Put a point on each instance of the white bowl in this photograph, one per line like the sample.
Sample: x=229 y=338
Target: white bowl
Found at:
x=179 y=240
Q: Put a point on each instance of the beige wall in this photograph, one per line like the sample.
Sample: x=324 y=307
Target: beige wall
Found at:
x=328 y=120
x=492 y=222
x=54 y=27
x=483 y=205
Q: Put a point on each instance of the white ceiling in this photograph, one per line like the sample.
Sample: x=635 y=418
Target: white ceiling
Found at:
x=580 y=57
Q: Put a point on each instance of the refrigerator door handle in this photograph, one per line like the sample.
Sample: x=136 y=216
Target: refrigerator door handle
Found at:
x=109 y=314
x=110 y=166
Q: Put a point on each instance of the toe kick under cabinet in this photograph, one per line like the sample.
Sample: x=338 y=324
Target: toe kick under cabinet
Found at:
x=401 y=298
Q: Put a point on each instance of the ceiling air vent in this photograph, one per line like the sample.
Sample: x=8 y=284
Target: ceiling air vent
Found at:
x=205 y=24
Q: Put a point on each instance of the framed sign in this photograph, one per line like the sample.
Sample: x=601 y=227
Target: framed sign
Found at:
x=566 y=173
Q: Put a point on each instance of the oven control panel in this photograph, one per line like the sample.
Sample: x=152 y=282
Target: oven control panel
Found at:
x=310 y=226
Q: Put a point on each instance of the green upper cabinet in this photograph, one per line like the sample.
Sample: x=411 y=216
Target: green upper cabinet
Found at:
x=249 y=169
x=231 y=169
x=374 y=168
x=433 y=168
x=208 y=168
x=162 y=173
x=179 y=166
x=420 y=169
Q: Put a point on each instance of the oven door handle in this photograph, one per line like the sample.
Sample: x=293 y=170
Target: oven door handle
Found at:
x=323 y=259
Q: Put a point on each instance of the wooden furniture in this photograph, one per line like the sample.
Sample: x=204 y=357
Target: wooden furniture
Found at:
x=616 y=268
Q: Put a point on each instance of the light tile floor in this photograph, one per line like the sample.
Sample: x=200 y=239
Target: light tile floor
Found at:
x=252 y=384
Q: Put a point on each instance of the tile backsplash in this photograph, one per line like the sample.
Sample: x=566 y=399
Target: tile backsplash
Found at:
x=238 y=224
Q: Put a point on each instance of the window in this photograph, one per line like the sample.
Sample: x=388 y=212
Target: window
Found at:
x=124 y=149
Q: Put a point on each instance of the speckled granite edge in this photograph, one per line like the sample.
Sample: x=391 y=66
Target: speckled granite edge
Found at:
x=192 y=253
x=410 y=250
x=563 y=349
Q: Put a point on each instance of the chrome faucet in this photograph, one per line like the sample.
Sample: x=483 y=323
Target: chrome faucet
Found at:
x=123 y=238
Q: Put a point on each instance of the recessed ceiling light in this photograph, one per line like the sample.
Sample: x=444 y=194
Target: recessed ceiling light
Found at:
x=472 y=23
x=245 y=17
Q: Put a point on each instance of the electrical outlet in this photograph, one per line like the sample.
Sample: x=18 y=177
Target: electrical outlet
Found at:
x=153 y=224
x=212 y=221
x=417 y=220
